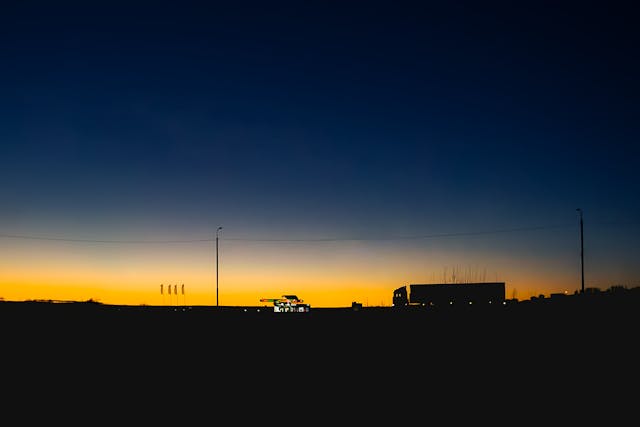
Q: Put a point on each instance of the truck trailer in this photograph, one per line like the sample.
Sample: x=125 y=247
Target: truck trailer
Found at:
x=448 y=294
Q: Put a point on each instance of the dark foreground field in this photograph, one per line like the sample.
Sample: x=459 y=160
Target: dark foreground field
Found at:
x=531 y=356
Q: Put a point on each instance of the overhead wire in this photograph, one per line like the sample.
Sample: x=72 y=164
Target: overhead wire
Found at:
x=275 y=240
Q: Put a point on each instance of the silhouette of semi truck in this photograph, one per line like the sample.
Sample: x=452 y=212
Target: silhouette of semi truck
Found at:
x=449 y=294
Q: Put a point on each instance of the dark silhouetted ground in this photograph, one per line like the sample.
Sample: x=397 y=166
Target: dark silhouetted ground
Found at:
x=534 y=355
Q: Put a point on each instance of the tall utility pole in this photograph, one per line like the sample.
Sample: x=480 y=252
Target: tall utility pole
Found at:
x=581 y=251
x=217 y=238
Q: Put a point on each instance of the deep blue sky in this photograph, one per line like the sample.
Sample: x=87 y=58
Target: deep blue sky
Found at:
x=328 y=119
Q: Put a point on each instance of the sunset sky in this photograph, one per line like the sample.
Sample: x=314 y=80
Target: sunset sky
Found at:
x=346 y=148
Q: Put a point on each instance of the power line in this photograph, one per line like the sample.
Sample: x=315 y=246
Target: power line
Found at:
x=318 y=240
x=411 y=237
x=67 y=239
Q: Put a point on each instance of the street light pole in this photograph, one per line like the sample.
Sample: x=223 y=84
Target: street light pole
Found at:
x=217 y=238
x=581 y=251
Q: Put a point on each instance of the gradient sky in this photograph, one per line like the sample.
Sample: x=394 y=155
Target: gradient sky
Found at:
x=346 y=148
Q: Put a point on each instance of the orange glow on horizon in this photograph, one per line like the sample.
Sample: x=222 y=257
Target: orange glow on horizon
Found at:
x=328 y=275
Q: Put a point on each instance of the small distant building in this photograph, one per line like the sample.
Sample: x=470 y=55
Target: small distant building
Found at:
x=287 y=304
x=447 y=294
x=557 y=295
